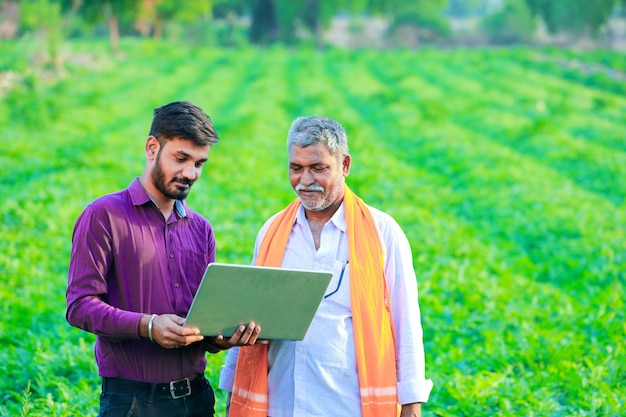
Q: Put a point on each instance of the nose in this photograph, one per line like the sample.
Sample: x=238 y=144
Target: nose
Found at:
x=307 y=177
x=191 y=172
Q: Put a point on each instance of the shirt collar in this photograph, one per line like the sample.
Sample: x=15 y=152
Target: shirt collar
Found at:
x=140 y=196
x=338 y=219
x=179 y=208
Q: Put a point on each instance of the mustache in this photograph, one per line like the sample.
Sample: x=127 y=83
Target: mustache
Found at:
x=183 y=180
x=312 y=187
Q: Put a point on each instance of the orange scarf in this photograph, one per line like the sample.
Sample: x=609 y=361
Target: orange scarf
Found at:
x=374 y=337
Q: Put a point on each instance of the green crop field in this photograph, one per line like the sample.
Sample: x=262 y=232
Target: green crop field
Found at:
x=505 y=167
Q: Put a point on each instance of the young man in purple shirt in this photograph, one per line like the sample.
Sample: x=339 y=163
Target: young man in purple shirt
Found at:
x=138 y=256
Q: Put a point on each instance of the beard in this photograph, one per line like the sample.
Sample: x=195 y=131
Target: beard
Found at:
x=175 y=189
x=321 y=199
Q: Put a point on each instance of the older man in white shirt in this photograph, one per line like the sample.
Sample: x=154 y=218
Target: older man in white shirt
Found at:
x=319 y=375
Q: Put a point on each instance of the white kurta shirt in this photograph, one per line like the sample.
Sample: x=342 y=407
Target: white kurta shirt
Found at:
x=318 y=375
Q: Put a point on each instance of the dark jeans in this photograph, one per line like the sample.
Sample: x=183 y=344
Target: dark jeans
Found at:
x=125 y=398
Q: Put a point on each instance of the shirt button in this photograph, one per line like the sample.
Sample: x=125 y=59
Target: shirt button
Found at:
x=171 y=255
x=177 y=285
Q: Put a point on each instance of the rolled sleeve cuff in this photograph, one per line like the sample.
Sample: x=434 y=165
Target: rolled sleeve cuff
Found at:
x=414 y=391
x=227 y=378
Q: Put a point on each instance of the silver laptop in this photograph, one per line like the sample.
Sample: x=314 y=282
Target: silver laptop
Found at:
x=281 y=301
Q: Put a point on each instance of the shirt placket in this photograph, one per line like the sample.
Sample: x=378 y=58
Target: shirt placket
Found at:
x=303 y=384
x=173 y=263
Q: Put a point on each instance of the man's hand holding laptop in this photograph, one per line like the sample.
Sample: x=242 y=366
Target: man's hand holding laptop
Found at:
x=169 y=331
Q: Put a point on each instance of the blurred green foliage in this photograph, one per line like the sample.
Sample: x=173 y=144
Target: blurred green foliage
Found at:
x=285 y=22
x=575 y=16
x=512 y=24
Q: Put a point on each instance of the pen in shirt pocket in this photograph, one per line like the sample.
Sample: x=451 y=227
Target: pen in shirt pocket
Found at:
x=343 y=269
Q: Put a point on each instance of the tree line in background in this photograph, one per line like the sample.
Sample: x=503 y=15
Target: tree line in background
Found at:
x=288 y=22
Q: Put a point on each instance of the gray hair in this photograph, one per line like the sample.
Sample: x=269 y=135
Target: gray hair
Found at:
x=311 y=130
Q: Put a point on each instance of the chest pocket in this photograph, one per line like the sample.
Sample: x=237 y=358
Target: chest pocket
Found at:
x=193 y=267
x=338 y=291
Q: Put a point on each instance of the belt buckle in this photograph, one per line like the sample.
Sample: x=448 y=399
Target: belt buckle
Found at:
x=180 y=388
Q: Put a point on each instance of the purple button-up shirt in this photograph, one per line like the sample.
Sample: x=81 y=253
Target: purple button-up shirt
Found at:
x=127 y=261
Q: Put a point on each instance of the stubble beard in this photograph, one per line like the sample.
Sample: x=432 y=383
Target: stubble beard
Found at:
x=158 y=178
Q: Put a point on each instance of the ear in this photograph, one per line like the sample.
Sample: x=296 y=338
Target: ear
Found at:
x=345 y=164
x=152 y=147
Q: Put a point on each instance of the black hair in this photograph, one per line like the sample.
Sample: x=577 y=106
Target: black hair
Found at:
x=183 y=120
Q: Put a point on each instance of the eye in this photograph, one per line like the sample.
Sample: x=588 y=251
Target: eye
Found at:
x=199 y=164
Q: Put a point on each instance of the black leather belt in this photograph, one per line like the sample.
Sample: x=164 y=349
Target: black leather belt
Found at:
x=175 y=389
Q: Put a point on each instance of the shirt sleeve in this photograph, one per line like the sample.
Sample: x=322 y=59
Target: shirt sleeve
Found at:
x=412 y=384
x=227 y=372
x=90 y=260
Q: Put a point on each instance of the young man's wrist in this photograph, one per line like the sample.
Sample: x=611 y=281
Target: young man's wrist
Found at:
x=143 y=326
